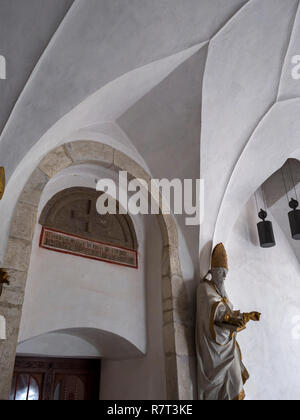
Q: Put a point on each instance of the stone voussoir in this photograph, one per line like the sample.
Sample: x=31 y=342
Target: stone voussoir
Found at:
x=34 y=187
x=184 y=339
x=13 y=295
x=17 y=255
x=185 y=385
x=55 y=161
x=169 y=338
x=171 y=262
x=90 y=151
x=23 y=222
x=169 y=230
x=17 y=278
x=172 y=377
x=166 y=287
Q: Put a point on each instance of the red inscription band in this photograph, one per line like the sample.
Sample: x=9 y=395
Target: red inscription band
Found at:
x=67 y=243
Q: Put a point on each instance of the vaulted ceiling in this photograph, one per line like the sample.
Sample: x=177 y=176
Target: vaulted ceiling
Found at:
x=135 y=65
x=26 y=28
x=97 y=42
x=154 y=76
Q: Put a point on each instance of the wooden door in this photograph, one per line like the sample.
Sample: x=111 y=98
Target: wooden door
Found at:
x=55 y=379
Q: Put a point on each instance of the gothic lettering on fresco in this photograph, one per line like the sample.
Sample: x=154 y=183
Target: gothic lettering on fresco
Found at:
x=71 y=244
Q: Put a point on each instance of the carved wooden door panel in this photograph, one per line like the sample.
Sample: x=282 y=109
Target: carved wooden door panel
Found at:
x=55 y=379
x=71 y=387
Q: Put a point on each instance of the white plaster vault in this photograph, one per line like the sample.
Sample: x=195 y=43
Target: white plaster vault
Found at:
x=172 y=88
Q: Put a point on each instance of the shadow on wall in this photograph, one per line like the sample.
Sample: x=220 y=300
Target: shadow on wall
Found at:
x=205 y=258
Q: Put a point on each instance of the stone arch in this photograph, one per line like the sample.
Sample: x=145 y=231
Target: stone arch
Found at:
x=178 y=335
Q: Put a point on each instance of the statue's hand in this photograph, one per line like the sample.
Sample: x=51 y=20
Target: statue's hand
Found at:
x=252 y=316
x=255 y=316
x=237 y=322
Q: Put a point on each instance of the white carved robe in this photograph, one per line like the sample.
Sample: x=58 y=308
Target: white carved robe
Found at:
x=221 y=373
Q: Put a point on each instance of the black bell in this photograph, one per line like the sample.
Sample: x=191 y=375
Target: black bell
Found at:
x=294 y=217
x=265 y=231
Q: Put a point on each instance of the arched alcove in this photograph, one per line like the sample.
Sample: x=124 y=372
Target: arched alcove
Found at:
x=178 y=341
x=66 y=343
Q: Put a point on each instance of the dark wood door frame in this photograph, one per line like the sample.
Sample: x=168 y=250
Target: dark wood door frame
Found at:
x=49 y=368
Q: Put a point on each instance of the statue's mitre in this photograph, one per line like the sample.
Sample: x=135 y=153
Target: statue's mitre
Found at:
x=219 y=257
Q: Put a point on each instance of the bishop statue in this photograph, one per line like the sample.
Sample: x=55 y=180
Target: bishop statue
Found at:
x=221 y=373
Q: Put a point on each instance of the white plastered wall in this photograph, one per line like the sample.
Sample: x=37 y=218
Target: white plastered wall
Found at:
x=266 y=280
